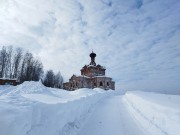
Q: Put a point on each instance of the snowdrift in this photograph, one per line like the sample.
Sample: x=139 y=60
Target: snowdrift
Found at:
x=32 y=109
x=158 y=113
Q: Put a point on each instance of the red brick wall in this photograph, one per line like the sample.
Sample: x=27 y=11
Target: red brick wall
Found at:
x=7 y=81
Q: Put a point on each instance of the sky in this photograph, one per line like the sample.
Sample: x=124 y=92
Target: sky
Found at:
x=138 y=41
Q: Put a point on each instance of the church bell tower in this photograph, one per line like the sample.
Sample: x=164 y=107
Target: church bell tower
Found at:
x=92 y=55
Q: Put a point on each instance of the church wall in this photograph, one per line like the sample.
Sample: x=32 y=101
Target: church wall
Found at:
x=93 y=71
x=100 y=82
x=105 y=83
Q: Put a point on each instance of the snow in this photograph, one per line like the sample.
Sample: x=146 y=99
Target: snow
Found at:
x=91 y=66
x=7 y=79
x=84 y=76
x=110 y=117
x=158 y=113
x=33 y=109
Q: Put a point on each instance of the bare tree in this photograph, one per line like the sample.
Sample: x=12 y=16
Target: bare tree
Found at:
x=16 y=62
x=58 y=80
x=24 y=67
x=52 y=80
x=49 y=79
x=36 y=70
x=31 y=69
x=3 y=59
x=8 y=63
x=13 y=64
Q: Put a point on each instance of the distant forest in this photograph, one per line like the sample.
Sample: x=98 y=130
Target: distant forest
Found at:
x=23 y=66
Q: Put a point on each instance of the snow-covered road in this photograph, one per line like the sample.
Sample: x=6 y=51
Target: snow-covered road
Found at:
x=110 y=117
x=32 y=109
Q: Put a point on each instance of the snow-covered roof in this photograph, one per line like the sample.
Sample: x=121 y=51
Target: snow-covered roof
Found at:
x=91 y=66
x=102 y=76
x=7 y=79
x=83 y=76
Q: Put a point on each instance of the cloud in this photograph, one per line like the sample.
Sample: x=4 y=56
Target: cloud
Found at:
x=137 y=41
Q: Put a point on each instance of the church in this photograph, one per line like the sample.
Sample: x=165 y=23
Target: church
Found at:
x=92 y=76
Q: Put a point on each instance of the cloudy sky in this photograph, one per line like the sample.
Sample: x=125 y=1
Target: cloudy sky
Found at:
x=138 y=41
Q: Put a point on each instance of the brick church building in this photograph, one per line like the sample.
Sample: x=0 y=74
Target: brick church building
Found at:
x=92 y=76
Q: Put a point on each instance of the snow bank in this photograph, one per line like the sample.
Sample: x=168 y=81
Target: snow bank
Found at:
x=32 y=109
x=158 y=113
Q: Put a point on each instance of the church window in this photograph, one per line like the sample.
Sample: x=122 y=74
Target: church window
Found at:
x=101 y=84
x=107 y=83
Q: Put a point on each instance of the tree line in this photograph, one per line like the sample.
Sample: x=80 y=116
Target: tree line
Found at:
x=23 y=66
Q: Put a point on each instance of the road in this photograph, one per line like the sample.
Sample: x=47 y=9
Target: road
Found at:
x=110 y=117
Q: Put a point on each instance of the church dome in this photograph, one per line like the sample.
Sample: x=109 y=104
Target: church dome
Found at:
x=92 y=55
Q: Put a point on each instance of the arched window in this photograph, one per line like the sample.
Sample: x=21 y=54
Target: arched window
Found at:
x=101 y=84
x=107 y=83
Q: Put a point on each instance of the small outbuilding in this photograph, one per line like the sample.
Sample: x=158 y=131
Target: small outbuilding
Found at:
x=4 y=81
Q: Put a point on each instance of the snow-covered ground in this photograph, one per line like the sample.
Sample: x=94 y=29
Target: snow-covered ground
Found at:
x=110 y=117
x=157 y=113
x=32 y=109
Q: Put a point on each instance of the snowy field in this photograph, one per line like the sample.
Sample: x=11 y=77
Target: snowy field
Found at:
x=32 y=109
x=157 y=113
